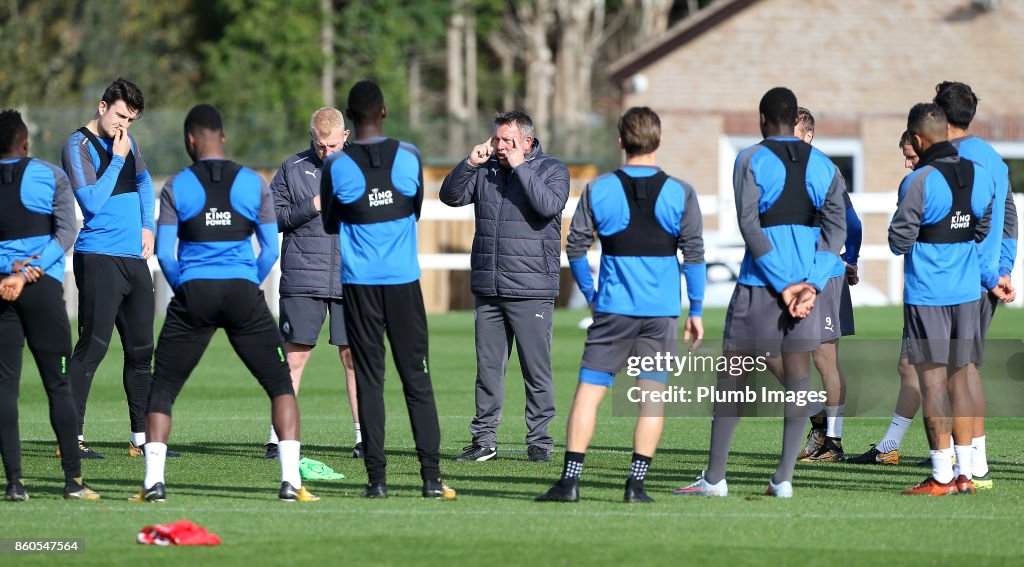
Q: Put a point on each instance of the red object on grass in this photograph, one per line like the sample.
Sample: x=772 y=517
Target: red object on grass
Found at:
x=182 y=532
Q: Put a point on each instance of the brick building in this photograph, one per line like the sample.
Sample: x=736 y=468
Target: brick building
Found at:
x=858 y=65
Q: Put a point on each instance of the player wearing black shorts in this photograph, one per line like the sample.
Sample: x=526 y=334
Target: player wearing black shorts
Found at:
x=37 y=224
x=208 y=214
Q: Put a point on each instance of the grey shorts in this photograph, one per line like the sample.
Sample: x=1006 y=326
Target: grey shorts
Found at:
x=903 y=342
x=758 y=323
x=829 y=306
x=987 y=307
x=846 y=310
x=948 y=334
x=987 y=310
x=612 y=339
x=303 y=317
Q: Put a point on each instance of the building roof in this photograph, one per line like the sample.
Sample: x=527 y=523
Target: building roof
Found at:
x=675 y=37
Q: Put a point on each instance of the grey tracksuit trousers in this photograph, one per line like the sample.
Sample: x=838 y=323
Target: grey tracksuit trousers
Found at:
x=499 y=321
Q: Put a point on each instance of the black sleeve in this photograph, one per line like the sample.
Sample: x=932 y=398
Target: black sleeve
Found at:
x=329 y=213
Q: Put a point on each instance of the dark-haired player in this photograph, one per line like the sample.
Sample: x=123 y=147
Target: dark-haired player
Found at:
x=944 y=208
x=998 y=250
x=371 y=194
x=1000 y=244
x=37 y=223
x=115 y=286
x=208 y=214
x=790 y=209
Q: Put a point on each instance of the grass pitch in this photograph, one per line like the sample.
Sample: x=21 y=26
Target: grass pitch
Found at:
x=839 y=513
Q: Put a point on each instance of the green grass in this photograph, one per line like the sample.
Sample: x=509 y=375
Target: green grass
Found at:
x=221 y=420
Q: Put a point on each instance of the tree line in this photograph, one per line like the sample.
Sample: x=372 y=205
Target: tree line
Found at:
x=445 y=66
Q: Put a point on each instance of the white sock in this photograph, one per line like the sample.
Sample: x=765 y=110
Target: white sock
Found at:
x=942 y=465
x=979 y=460
x=156 y=457
x=963 y=460
x=139 y=439
x=81 y=437
x=359 y=432
x=894 y=436
x=272 y=440
x=834 y=420
x=288 y=454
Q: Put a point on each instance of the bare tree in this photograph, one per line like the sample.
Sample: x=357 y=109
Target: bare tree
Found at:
x=456 y=97
x=584 y=28
x=558 y=43
x=573 y=24
x=327 y=48
x=472 y=100
x=503 y=49
x=530 y=23
x=654 y=17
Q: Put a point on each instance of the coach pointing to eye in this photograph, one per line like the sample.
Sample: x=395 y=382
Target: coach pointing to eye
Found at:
x=518 y=194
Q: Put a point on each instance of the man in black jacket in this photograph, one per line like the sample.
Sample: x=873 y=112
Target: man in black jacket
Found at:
x=310 y=260
x=518 y=195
